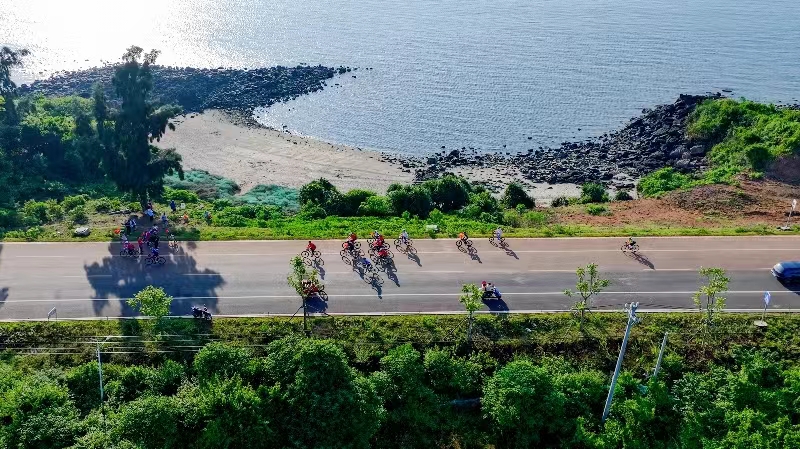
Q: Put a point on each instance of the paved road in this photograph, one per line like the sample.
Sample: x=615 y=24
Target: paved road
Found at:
x=236 y=278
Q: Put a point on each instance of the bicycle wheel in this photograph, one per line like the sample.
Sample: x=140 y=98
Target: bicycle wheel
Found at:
x=305 y=254
x=322 y=295
x=316 y=254
x=635 y=248
x=346 y=259
x=123 y=253
x=148 y=260
x=624 y=248
x=307 y=261
x=411 y=250
x=161 y=260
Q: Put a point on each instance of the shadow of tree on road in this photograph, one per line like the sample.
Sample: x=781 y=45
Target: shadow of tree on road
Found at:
x=119 y=278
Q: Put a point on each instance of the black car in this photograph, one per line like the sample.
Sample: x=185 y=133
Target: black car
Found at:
x=786 y=271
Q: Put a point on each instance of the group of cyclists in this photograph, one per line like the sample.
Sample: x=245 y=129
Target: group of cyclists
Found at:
x=150 y=238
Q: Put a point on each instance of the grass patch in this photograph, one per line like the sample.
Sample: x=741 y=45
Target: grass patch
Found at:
x=597 y=209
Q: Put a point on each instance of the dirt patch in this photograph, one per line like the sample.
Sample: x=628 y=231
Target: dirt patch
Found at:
x=749 y=203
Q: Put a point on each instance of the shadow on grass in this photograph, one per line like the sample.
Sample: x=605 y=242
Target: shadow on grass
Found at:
x=117 y=278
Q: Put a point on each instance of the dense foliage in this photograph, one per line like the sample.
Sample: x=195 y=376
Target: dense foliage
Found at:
x=52 y=147
x=309 y=393
x=744 y=137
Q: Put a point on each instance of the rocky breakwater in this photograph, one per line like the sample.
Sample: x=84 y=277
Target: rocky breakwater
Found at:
x=195 y=90
x=654 y=140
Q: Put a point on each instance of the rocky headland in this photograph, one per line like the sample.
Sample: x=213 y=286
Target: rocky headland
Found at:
x=234 y=90
x=655 y=139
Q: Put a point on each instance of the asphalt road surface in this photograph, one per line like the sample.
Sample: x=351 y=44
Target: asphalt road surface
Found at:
x=85 y=280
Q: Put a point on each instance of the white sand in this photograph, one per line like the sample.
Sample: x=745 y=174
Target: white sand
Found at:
x=251 y=156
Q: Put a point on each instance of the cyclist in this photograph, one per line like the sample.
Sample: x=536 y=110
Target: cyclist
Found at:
x=630 y=243
x=311 y=247
x=154 y=238
x=484 y=288
x=366 y=262
x=383 y=252
x=154 y=252
x=140 y=241
x=498 y=233
x=375 y=234
x=463 y=237
x=404 y=237
x=350 y=243
x=379 y=241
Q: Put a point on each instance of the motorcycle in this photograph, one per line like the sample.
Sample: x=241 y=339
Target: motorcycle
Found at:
x=201 y=313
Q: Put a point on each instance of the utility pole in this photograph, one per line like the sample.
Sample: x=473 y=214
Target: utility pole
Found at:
x=102 y=395
x=631 y=309
x=660 y=355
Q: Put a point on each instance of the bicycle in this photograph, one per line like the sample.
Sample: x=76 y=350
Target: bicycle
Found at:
x=633 y=249
x=356 y=245
x=312 y=257
x=320 y=293
x=499 y=243
x=408 y=248
x=129 y=252
x=350 y=257
x=171 y=241
x=155 y=260
x=464 y=245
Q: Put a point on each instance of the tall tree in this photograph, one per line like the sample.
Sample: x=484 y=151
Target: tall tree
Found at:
x=130 y=160
x=471 y=299
x=9 y=58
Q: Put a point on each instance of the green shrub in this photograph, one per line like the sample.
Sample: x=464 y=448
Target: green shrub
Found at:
x=414 y=199
x=180 y=196
x=231 y=220
x=592 y=192
x=350 y=202
x=436 y=216
x=662 y=181
x=71 y=202
x=516 y=195
x=319 y=191
x=448 y=193
x=78 y=215
x=375 y=206
x=479 y=203
x=623 y=195
x=272 y=195
x=597 y=209
x=758 y=156
x=535 y=218
x=312 y=211
x=8 y=218
x=43 y=211
x=394 y=186
x=560 y=201
x=222 y=204
x=511 y=218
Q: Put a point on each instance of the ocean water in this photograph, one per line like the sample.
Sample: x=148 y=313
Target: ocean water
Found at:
x=496 y=76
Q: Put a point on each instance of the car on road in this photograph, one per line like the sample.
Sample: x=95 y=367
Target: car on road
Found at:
x=786 y=271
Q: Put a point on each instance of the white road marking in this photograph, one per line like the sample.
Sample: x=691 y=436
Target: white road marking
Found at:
x=373 y=295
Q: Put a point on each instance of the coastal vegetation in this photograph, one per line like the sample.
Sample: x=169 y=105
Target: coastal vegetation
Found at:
x=412 y=381
x=745 y=138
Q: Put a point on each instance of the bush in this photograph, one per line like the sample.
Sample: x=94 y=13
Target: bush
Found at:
x=535 y=218
x=71 y=202
x=592 y=192
x=350 y=202
x=180 y=196
x=43 y=211
x=78 y=215
x=231 y=220
x=511 y=218
x=623 y=195
x=312 y=211
x=597 y=209
x=320 y=192
x=515 y=195
x=375 y=206
x=436 y=217
x=480 y=203
x=758 y=156
x=662 y=181
x=560 y=201
x=448 y=193
x=414 y=199
x=8 y=218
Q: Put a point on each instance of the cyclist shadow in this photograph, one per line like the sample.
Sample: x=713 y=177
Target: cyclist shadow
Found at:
x=642 y=259
x=510 y=252
x=316 y=305
x=119 y=278
x=392 y=275
x=378 y=287
x=320 y=270
x=473 y=254
x=414 y=258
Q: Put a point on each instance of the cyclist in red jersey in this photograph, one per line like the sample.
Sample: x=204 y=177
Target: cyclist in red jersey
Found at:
x=311 y=246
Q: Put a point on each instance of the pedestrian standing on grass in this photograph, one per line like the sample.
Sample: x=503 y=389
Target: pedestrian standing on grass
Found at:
x=172 y=206
x=164 y=219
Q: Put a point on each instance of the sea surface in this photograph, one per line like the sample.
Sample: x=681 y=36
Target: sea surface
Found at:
x=492 y=75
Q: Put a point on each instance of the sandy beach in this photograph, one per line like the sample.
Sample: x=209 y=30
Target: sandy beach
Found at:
x=250 y=156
